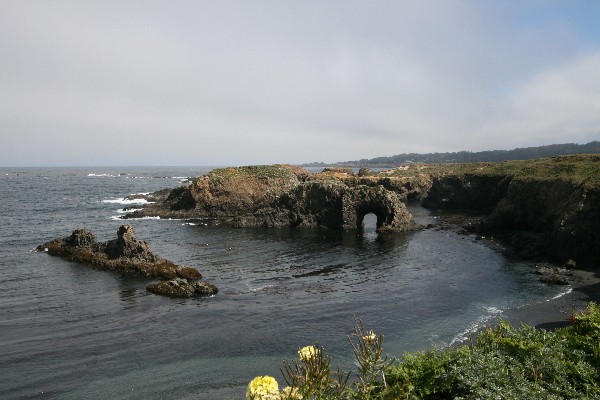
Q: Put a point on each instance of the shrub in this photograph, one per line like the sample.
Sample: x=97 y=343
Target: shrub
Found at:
x=501 y=363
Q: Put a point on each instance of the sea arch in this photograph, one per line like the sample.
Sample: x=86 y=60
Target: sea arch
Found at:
x=359 y=201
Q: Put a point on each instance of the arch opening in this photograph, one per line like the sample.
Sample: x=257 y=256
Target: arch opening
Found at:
x=368 y=221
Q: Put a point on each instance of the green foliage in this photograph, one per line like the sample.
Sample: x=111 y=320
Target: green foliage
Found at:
x=507 y=363
x=276 y=171
x=311 y=378
x=504 y=362
x=368 y=352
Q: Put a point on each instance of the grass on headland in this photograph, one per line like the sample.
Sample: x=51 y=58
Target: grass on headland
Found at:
x=504 y=362
x=579 y=169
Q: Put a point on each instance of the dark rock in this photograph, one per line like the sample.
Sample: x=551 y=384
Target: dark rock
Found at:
x=554 y=279
x=365 y=171
x=543 y=270
x=180 y=287
x=570 y=264
x=286 y=196
x=124 y=254
x=187 y=272
x=81 y=238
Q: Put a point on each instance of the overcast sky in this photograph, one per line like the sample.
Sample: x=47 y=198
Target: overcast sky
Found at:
x=254 y=82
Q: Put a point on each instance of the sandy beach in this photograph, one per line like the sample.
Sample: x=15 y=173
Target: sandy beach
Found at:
x=555 y=313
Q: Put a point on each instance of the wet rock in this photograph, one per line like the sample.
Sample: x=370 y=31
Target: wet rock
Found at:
x=543 y=270
x=180 y=287
x=125 y=255
x=554 y=279
x=570 y=264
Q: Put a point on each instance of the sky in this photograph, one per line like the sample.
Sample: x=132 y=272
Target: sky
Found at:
x=178 y=82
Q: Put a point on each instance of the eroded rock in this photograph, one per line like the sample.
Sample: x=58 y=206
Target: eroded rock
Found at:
x=288 y=196
x=125 y=255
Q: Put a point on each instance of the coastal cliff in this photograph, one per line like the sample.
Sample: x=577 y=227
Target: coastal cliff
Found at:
x=547 y=207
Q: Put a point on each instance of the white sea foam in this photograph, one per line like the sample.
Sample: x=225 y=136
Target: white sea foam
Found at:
x=128 y=210
x=569 y=290
x=189 y=224
x=491 y=312
x=119 y=218
x=127 y=201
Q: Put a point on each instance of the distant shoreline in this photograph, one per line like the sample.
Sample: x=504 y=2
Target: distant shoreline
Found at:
x=528 y=153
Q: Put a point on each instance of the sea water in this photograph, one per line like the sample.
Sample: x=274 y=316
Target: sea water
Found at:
x=69 y=331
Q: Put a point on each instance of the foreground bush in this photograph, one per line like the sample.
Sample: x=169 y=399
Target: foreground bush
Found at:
x=501 y=363
x=507 y=363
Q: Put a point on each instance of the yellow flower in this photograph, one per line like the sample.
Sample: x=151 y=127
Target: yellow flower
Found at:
x=263 y=388
x=370 y=338
x=289 y=393
x=307 y=353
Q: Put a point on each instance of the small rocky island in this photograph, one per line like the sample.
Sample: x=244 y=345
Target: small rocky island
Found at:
x=125 y=254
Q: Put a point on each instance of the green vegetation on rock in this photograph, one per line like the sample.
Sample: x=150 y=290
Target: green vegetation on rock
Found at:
x=578 y=169
x=276 y=171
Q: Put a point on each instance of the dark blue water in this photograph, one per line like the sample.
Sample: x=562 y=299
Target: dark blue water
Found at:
x=72 y=332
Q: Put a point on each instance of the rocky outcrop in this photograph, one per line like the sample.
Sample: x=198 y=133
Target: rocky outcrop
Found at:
x=179 y=287
x=286 y=196
x=468 y=192
x=125 y=254
x=548 y=208
x=552 y=275
x=562 y=217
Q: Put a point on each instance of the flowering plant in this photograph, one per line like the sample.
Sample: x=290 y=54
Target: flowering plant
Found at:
x=370 y=338
x=263 y=388
x=307 y=353
x=311 y=377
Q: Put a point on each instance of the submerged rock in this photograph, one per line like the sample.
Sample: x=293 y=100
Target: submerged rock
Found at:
x=124 y=254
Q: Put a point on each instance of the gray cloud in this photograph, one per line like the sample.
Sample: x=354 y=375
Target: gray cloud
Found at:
x=189 y=82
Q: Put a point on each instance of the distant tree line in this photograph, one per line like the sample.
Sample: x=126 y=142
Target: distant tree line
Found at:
x=526 y=153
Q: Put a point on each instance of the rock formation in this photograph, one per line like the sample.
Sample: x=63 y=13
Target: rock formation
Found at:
x=288 y=196
x=127 y=255
x=548 y=207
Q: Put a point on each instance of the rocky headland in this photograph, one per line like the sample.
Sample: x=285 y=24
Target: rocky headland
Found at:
x=288 y=196
x=126 y=254
x=547 y=208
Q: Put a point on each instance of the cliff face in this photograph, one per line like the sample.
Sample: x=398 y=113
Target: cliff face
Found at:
x=563 y=217
x=549 y=207
x=469 y=191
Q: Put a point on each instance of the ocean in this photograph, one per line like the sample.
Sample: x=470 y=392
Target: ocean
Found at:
x=69 y=331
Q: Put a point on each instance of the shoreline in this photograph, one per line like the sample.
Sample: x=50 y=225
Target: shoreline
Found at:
x=555 y=313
